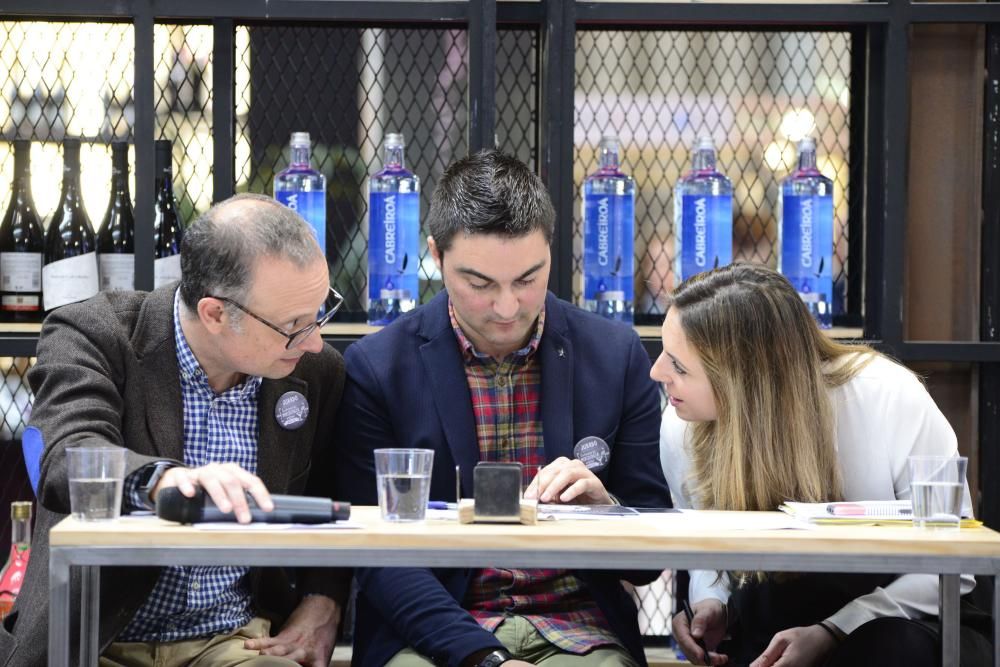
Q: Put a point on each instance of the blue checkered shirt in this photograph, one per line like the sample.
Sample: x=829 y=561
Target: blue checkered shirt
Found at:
x=191 y=602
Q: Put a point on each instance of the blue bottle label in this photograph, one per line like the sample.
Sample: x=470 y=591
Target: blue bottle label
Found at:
x=311 y=206
x=393 y=245
x=706 y=233
x=608 y=245
x=807 y=243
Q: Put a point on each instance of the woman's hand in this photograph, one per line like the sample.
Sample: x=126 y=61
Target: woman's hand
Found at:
x=797 y=647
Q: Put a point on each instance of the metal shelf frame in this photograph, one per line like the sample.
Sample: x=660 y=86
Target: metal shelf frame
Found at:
x=879 y=144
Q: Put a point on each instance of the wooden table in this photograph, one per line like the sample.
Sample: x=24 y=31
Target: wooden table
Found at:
x=711 y=540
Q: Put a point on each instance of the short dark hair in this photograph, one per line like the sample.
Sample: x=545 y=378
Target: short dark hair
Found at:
x=489 y=193
x=220 y=248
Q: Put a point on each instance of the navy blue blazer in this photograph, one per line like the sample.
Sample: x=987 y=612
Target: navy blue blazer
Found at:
x=406 y=387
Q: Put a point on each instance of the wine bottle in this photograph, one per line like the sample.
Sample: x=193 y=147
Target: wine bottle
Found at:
x=22 y=244
x=12 y=574
x=167 y=226
x=115 y=240
x=70 y=271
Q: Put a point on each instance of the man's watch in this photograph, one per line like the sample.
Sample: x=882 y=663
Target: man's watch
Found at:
x=495 y=658
x=150 y=479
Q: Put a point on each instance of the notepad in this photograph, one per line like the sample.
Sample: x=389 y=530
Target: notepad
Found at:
x=883 y=512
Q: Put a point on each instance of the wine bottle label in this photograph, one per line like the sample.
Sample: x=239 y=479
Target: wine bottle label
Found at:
x=28 y=303
x=69 y=280
x=166 y=270
x=21 y=271
x=117 y=271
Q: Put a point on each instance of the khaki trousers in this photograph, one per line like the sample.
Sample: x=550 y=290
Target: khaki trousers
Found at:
x=218 y=651
x=525 y=643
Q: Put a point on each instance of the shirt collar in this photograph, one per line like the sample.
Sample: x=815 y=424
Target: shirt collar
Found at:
x=469 y=351
x=192 y=372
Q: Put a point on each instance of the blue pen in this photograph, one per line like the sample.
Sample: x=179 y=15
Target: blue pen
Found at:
x=441 y=505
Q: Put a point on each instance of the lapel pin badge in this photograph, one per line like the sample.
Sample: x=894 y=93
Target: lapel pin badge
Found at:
x=594 y=453
x=291 y=410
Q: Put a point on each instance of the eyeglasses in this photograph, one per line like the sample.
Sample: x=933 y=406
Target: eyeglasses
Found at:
x=332 y=304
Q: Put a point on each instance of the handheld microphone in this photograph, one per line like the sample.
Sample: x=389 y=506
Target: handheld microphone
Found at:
x=172 y=505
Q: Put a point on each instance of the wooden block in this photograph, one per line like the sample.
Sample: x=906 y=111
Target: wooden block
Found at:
x=467 y=514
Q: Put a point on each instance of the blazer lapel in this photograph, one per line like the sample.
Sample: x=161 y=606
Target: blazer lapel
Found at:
x=557 y=383
x=160 y=375
x=445 y=371
x=275 y=445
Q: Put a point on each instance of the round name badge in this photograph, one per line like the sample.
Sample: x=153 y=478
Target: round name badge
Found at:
x=594 y=452
x=291 y=410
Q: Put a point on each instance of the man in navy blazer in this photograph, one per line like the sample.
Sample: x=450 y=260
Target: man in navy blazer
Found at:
x=497 y=368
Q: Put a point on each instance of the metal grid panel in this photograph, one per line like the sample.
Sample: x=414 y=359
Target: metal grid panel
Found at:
x=182 y=84
x=348 y=87
x=755 y=93
x=58 y=80
x=517 y=94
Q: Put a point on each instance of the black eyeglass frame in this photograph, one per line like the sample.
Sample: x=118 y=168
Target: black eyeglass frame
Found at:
x=296 y=337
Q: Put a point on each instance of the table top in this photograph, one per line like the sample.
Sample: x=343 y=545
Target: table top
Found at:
x=688 y=539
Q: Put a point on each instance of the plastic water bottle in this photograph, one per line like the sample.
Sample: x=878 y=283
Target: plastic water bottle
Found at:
x=608 y=237
x=806 y=234
x=302 y=188
x=703 y=215
x=393 y=236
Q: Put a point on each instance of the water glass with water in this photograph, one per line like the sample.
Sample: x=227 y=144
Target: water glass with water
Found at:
x=937 y=484
x=404 y=482
x=96 y=475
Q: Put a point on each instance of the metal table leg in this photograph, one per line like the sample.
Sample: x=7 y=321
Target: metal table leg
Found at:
x=948 y=591
x=996 y=621
x=90 y=609
x=58 y=608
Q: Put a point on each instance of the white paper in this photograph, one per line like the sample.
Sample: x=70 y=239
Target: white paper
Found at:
x=21 y=271
x=69 y=280
x=166 y=270
x=117 y=270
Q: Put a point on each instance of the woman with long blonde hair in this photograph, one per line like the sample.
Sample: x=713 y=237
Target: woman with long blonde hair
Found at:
x=764 y=408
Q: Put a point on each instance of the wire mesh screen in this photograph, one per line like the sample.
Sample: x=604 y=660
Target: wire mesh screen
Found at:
x=517 y=94
x=755 y=93
x=349 y=87
x=182 y=90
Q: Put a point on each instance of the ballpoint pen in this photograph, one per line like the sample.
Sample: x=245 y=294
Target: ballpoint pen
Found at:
x=701 y=642
x=441 y=505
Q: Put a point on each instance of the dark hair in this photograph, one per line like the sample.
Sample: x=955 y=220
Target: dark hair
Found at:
x=489 y=193
x=220 y=248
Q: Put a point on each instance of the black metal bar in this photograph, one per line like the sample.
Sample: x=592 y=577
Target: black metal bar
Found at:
x=958 y=12
x=555 y=141
x=353 y=11
x=875 y=174
x=895 y=131
x=18 y=345
x=645 y=15
x=482 y=73
x=66 y=8
x=949 y=351
x=524 y=13
x=223 y=109
x=143 y=137
x=989 y=319
x=853 y=311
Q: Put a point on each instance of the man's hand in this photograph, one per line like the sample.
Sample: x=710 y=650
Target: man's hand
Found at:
x=797 y=647
x=308 y=636
x=708 y=625
x=226 y=483
x=566 y=480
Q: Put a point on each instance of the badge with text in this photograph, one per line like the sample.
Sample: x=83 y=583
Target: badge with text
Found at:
x=291 y=410
x=594 y=453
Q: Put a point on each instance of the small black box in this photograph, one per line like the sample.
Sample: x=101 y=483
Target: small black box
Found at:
x=497 y=491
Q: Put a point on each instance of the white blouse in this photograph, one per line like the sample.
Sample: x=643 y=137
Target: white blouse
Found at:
x=883 y=415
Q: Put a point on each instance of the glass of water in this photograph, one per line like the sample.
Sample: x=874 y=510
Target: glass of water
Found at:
x=404 y=482
x=96 y=475
x=937 y=484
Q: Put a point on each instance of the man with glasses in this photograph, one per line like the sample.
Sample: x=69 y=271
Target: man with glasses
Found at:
x=221 y=382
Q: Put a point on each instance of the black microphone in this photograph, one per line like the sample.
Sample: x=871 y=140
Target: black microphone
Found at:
x=172 y=505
